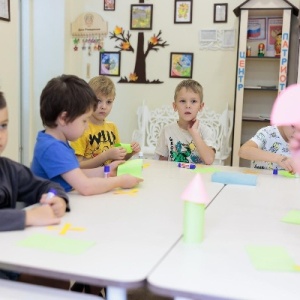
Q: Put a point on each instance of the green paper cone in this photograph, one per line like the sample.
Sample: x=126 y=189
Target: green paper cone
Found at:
x=193 y=226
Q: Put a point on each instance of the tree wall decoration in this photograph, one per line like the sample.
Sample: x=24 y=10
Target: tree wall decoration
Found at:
x=154 y=43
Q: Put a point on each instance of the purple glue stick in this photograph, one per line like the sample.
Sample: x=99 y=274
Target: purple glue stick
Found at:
x=187 y=165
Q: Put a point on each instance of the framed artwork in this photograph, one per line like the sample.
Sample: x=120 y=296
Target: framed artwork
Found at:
x=110 y=63
x=220 y=12
x=141 y=16
x=5 y=10
x=183 y=11
x=181 y=65
x=256 y=29
x=109 y=4
x=274 y=29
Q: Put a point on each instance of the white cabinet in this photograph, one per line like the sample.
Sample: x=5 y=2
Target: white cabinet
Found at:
x=259 y=79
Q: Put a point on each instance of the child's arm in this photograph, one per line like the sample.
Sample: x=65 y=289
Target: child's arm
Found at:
x=115 y=153
x=206 y=153
x=251 y=151
x=85 y=182
x=295 y=148
x=41 y=216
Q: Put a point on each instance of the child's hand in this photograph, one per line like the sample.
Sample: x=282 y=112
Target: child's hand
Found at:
x=128 y=181
x=135 y=147
x=57 y=204
x=41 y=216
x=114 y=166
x=193 y=125
x=116 y=153
x=287 y=163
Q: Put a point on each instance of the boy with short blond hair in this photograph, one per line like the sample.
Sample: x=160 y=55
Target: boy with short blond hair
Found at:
x=96 y=147
x=187 y=140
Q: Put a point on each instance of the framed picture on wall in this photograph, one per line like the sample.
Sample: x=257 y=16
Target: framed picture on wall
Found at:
x=141 y=16
x=110 y=63
x=220 y=12
x=256 y=29
x=181 y=65
x=274 y=30
x=183 y=11
x=5 y=10
x=109 y=4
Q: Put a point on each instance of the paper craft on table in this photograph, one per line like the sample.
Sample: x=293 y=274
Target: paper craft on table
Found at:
x=195 y=198
x=127 y=147
x=286 y=174
x=271 y=258
x=292 y=217
x=234 y=178
x=56 y=244
x=203 y=170
x=133 y=167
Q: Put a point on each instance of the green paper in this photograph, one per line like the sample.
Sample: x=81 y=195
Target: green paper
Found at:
x=206 y=170
x=193 y=224
x=293 y=217
x=56 y=244
x=127 y=147
x=286 y=174
x=271 y=258
x=133 y=167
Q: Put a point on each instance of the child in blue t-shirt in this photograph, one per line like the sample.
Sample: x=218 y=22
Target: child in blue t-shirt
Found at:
x=66 y=103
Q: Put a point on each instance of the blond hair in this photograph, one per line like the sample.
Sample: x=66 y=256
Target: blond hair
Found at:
x=103 y=85
x=189 y=84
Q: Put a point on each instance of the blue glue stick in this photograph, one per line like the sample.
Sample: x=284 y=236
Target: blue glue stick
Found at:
x=186 y=165
x=106 y=171
x=51 y=193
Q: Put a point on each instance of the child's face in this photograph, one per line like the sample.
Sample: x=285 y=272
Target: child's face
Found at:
x=288 y=132
x=3 y=128
x=105 y=104
x=188 y=104
x=74 y=130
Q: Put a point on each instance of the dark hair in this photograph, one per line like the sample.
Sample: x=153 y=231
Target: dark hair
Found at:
x=67 y=93
x=2 y=101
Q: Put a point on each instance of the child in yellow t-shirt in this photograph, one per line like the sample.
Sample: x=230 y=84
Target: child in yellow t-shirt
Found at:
x=96 y=146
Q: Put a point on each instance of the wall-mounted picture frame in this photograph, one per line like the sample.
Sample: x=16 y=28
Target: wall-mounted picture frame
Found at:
x=274 y=30
x=110 y=63
x=256 y=29
x=181 y=64
x=183 y=11
x=141 y=16
x=109 y=4
x=5 y=10
x=220 y=12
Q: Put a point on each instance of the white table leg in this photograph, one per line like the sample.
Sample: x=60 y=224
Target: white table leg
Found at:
x=116 y=293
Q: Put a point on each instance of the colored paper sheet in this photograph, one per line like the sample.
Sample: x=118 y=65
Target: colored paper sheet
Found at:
x=293 y=217
x=56 y=244
x=133 y=167
x=271 y=258
x=195 y=191
x=234 y=178
x=127 y=147
x=286 y=174
x=206 y=170
x=193 y=223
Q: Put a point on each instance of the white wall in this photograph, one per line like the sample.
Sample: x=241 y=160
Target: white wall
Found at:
x=10 y=76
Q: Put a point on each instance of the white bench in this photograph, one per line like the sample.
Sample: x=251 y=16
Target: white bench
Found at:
x=151 y=122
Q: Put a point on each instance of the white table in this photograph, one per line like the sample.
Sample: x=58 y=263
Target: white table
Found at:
x=132 y=233
x=219 y=267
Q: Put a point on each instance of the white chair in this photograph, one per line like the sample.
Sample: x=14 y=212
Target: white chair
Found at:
x=151 y=122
